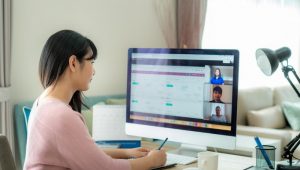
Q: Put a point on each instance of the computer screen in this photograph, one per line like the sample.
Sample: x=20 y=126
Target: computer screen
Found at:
x=187 y=95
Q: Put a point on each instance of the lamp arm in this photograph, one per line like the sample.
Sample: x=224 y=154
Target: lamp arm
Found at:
x=292 y=143
x=290 y=148
x=295 y=146
x=286 y=70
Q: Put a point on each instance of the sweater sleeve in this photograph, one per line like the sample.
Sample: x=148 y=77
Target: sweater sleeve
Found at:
x=76 y=146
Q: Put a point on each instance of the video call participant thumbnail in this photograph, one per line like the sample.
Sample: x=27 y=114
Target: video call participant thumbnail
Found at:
x=217 y=94
x=218 y=117
x=217 y=78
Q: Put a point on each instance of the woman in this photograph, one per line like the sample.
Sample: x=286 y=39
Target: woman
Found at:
x=57 y=135
x=217 y=78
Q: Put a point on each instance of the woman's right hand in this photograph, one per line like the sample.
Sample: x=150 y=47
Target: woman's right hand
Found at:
x=154 y=159
x=157 y=157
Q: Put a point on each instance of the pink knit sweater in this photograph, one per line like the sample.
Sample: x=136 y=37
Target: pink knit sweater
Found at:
x=58 y=139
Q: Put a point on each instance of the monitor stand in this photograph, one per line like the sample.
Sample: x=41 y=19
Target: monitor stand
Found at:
x=188 y=150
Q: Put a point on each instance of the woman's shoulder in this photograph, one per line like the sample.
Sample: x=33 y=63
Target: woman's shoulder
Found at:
x=56 y=115
x=54 y=109
x=53 y=104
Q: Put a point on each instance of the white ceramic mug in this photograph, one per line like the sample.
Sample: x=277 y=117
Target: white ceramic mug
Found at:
x=208 y=160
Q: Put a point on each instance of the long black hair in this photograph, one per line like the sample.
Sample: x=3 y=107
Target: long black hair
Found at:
x=55 y=58
x=220 y=74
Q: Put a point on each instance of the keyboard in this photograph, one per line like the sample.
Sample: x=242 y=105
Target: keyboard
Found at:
x=180 y=159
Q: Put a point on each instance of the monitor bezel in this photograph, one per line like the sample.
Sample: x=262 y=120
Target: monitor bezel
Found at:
x=232 y=52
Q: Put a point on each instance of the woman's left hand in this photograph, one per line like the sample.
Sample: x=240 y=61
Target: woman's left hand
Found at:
x=137 y=152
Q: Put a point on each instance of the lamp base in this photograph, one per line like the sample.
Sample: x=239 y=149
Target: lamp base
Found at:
x=287 y=167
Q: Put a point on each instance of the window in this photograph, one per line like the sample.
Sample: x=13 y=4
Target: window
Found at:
x=247 y=25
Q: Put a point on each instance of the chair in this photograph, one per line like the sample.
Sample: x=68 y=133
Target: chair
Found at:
x=20 y=127
x=6 y=157
x=26 y=111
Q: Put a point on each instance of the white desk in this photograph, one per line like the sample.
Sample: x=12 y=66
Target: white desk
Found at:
x=226 y=161
x=234 y=162
x=245 y=146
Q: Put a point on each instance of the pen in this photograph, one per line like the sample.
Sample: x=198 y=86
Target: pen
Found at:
x=250 y=167
x=265 y=155
x=162 y=144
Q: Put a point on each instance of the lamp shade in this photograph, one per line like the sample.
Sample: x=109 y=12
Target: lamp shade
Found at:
x=268 y=60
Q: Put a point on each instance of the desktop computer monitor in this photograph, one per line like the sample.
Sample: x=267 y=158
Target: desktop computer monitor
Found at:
x=187 y=95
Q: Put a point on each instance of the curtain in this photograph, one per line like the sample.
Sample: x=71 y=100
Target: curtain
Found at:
x=166 y=13
x=190 y=22
x=5 y=72
x=182 y=22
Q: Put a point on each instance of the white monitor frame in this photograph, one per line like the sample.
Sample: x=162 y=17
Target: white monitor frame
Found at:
x=182 y=136
x=206 y=139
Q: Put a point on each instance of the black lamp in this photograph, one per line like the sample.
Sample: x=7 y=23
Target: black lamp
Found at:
x=268 y=61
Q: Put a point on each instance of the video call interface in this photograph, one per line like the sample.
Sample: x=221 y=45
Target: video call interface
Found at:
x=184 y=91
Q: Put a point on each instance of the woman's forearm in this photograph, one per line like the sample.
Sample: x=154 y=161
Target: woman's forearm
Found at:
x=116 y=153
x=144 y=163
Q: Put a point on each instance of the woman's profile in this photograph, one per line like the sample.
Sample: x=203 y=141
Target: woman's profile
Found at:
x=217 y=78
x=57 y=135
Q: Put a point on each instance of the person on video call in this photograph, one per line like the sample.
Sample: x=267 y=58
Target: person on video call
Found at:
x=57 y=133
x=217 y=78
x=218 y=117
x=217 y=94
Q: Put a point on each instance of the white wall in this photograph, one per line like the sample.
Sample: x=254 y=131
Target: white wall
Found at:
x=113 y=25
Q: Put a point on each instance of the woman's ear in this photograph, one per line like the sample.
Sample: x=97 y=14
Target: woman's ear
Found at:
x=72 y=63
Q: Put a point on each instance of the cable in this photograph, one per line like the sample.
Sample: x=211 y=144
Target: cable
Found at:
x=296 y=157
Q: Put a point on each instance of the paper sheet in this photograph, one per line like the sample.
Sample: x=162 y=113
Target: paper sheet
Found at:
x=109 y=123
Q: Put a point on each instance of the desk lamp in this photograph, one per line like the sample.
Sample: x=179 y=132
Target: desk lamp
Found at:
x=268 y=61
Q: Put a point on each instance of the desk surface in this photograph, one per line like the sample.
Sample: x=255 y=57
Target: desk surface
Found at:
x=245 y=146
x=226 y=161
